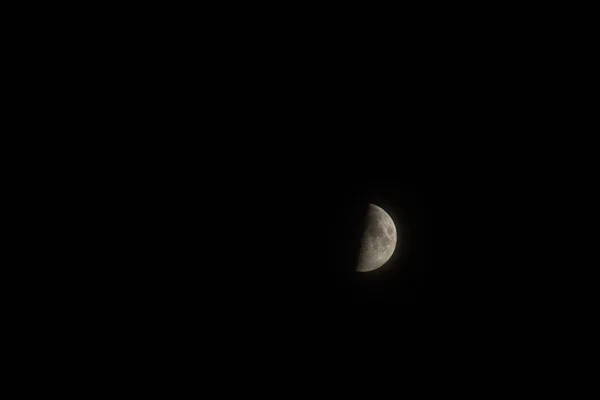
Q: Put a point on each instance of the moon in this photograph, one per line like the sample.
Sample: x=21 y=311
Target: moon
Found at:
x=378 y=241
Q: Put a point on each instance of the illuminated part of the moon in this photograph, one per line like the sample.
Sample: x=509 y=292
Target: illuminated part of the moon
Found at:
x=378 y=241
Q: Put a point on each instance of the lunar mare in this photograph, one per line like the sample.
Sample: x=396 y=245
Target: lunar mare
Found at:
x=378 y=241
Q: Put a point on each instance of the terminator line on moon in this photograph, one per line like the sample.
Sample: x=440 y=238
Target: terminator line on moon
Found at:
x=378 y=241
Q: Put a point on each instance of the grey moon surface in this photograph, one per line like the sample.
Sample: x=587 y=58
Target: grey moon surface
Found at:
x=378 y=240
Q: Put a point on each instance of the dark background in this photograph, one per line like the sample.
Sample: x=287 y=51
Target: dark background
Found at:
x=211 y=194
x=259 y=165
x=249 y=159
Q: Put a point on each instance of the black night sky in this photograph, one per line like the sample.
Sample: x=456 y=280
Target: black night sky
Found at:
x=261 y=212
x=237 y=156
x=252 y=178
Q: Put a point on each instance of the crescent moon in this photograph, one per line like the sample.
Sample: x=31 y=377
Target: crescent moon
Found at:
x=378 y=241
